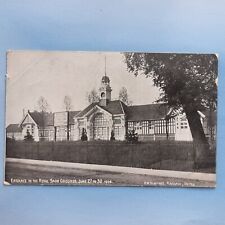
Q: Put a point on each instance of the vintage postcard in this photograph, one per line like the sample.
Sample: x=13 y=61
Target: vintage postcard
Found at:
x=111 y=119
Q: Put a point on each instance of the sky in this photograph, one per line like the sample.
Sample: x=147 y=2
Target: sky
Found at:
x=55 y=74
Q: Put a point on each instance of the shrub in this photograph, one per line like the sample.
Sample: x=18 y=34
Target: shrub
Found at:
x=84 y=135
x=28 y=137
x=132 y=137
x=112 y=138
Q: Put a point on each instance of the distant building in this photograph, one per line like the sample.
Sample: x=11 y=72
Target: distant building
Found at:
x=101 y=118
x=14 y=131
x=64 y=125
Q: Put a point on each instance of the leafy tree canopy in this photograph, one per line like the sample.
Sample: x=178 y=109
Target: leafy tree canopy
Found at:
x=123 y=96
x=43 y=105
x=93 y=96
x=186 y=80
x=68 y=103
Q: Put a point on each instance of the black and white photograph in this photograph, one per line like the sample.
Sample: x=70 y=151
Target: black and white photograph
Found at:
x=111 y=119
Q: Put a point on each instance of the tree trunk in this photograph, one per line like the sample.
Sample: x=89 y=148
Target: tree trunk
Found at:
x=201 y=146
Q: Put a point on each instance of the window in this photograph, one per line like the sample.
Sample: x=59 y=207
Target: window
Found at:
x=151 y=125
x=183 y=118
x=41 y=133
x=117 y=131
x=130 y=126
x=142 y=127
x=145 y=127
x=46 y=133
x=117 y=120
x=100 y=121
x=163 y=126
x=101 y=130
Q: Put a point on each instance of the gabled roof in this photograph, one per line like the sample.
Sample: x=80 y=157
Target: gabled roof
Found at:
x=87 y=109
x=113 y=107
x=42 y=119
x=146 y=112
x=13 y=128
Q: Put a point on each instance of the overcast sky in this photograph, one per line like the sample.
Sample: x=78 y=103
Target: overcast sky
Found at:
x=53 y=75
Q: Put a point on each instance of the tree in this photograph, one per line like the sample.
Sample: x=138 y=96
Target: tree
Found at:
x=93 y=96
x=186 y=81
x=123 y=96
x=68 y=103
x=43 y=105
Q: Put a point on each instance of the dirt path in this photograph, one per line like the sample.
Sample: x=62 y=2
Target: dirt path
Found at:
x=19 y=174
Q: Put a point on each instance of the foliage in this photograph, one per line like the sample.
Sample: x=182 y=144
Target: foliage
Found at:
x=132 y=137
x=186 y=81
x=123 y=96
x=112 y=138
x=84 y=135
x=43 y=105
x=28 y=137
x=93 y=96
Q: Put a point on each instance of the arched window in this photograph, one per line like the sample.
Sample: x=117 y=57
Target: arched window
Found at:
x=103 y=95
x=100 y=121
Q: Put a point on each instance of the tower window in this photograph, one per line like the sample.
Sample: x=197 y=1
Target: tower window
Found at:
x=102 y=95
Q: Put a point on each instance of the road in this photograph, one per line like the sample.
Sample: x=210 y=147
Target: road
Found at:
x=23 y=175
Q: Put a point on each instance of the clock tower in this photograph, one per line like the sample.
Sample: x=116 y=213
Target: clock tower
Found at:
x=105 y=91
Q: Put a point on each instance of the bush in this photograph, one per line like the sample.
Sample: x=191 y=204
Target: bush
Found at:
x=84 y=135
x=28 y=137
x=132 y=137
x=112 y=138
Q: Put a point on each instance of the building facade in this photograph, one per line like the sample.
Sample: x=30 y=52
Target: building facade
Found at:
x=100 y=119
x=14 y=131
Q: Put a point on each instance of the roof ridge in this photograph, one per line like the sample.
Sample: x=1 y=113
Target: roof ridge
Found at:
x=147 y=104
x=31 y=112
x=92 y=104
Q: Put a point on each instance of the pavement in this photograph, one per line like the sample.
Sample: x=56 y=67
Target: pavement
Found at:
x=110 y=175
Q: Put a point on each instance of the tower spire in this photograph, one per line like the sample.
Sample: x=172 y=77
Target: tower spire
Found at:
x=105 y=89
